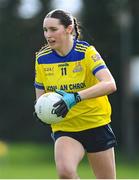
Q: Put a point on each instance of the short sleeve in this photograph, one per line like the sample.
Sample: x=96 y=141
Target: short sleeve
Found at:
x=94 y=60
x=38 y=75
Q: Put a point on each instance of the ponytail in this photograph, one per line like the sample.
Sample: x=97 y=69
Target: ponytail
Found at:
x=76 y=27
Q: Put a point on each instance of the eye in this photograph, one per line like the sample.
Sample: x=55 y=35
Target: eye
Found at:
x=53 y=29
x=45 y=29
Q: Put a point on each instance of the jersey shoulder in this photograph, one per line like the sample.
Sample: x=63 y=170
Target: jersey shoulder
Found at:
x=43 y=54
x=81 y=46
x=43 y=51
x=86 y=48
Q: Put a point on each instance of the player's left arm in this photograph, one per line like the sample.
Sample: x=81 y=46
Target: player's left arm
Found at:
x=105 y=86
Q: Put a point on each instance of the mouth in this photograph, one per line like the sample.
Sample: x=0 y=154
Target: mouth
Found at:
x=51 y=42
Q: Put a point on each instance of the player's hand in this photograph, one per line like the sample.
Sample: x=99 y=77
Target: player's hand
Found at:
x=34 y=113
x=35 y=116
x=67 y=102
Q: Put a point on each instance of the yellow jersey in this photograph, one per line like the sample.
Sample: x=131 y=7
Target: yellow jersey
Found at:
x=72 y=73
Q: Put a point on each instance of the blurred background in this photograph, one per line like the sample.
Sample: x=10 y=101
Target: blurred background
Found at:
x=112 y=27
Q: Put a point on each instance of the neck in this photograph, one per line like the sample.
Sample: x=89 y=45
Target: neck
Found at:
x=66 y=48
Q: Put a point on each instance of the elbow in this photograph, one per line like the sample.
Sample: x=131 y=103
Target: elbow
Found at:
x=112 y=87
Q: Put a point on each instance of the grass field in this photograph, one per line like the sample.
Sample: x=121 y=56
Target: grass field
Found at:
x=36 y=161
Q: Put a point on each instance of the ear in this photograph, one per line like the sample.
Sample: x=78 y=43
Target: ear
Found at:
x=69 y=29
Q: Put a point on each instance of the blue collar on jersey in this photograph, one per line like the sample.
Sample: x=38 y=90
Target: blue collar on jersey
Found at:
x=74 y=44
x=77 y=53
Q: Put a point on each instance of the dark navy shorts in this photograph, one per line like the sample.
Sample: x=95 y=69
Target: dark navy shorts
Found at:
x=93 y=140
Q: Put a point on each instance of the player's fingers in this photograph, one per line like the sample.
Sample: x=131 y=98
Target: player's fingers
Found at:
x=64 y=112
x=58 y=103
x=59 y=109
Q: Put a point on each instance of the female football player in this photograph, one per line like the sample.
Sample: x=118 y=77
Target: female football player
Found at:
x=75 y=70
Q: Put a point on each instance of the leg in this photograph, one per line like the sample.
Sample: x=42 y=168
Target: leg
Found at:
x=68 y=154
x=103 y=164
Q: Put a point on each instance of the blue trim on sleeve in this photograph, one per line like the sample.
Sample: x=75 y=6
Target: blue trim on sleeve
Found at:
x=38 y=86
x=99 y=68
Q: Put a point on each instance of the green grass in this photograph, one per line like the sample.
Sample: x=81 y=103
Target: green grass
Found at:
x=36 y=161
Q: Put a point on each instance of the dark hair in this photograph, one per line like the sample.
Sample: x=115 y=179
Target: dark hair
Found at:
x=66 y=19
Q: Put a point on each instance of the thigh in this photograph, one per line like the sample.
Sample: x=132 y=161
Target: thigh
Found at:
x=68 y=152
x=103 y=164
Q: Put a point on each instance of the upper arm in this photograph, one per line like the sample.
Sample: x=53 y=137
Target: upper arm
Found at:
x=104 y=75
x=39 y=86
x=38 y=75
x=107 y=79
x=97 y=65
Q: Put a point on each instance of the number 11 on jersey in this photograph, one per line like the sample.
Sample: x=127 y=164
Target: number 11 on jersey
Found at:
x=64 y=71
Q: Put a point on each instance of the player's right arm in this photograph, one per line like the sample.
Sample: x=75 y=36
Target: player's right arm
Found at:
x=39 y=86
x=39 y=92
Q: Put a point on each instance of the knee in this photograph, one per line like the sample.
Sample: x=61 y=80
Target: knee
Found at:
x=66 y=172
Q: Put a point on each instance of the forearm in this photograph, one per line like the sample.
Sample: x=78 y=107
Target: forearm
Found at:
x=39 y=93
x=100 y=89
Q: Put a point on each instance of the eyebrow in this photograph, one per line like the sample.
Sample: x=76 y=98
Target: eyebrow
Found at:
x=44 y=28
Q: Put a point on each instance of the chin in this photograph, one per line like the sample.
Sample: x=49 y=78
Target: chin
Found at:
x=52 y=46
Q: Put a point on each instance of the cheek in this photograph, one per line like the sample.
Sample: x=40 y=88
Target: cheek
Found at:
x=45 y=34
x=61 y=34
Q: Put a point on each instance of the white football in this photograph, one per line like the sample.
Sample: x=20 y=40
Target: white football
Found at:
x=45 y=110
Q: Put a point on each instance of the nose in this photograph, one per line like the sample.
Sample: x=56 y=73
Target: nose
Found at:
x=47 y=34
